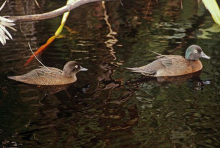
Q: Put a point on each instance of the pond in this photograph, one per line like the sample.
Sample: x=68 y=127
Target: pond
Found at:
x=109 y=106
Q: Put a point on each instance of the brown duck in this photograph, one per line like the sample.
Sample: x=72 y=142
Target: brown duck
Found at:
x=174 y=65
x=51 y=75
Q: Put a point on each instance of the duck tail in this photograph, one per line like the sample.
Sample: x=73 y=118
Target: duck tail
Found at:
x=134 y=69
x=12 y=77
x=16 y=78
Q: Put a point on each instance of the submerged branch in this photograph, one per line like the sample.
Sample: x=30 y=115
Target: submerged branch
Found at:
x=52 y=14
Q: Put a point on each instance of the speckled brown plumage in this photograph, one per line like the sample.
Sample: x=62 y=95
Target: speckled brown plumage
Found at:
x=53 y=76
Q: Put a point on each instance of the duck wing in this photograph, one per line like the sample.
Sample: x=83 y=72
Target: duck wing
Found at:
x=163 y=61
x=179 y=66
x=40 y=76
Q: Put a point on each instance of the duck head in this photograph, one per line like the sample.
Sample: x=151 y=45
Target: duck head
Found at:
x=71 y=68
x=194 y=52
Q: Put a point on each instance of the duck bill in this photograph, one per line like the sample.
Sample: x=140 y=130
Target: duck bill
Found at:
x=204 y=55
x=83 y=69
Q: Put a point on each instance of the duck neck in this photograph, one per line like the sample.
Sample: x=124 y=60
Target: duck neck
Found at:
x=191 y=58
x=68 y=74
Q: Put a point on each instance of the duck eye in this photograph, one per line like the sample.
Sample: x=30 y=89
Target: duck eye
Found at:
x=195 y=51
x=76 y=66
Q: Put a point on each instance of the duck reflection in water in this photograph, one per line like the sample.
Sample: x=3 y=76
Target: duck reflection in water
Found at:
x=193 y=78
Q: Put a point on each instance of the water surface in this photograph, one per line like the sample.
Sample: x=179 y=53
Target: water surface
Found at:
x=109 y=106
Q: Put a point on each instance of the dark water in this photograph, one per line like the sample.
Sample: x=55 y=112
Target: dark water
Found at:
x=109 y=106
